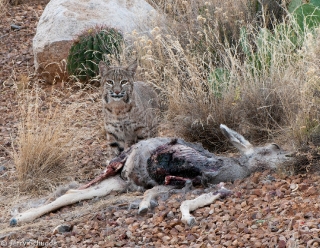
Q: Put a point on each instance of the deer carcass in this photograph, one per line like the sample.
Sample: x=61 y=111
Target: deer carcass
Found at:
x=158 y=165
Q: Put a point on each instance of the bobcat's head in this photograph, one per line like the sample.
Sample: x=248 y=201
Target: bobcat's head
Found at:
x=117 y=81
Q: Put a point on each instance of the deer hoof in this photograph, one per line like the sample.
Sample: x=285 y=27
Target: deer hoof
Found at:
x=191 y=221
x=143 y=210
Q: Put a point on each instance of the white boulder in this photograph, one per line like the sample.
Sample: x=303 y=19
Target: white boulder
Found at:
x=63 y=20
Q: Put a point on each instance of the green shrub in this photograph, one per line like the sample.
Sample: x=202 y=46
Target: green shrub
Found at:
x=89 y=49
x=307 y=15
x=218 y=80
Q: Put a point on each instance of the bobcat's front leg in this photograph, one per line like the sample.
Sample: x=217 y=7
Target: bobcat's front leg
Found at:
x=141 y=133
x=115 y=141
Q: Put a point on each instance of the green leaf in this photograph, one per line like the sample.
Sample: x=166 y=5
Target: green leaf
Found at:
x=315 y=3
x=244 y=41
x=293 y=5
x=307 y=16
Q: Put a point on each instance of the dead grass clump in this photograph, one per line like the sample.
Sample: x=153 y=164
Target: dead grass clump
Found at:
x=3 y=6
x=306 y=124
x=306 y=160
x=258 y=85
x=43 y=148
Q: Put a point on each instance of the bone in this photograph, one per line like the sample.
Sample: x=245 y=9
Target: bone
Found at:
x=111 y=170
x=72 y=196
x=201 y=201
x=150 y=195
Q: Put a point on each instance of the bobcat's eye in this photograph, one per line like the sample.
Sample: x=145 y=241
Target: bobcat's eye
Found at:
x=110 y=82
x=124 y=82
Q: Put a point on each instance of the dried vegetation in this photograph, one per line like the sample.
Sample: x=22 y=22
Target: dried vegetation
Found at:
x=234 y=62
x=231 y=62
x=43 y=148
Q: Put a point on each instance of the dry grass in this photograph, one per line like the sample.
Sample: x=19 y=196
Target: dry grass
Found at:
x=266 y=90
x=3 y=6
x=42 y=151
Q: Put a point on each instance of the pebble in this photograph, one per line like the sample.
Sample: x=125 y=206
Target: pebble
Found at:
x=62 y=228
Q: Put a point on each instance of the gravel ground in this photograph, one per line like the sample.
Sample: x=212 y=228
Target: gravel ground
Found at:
x=265 y=210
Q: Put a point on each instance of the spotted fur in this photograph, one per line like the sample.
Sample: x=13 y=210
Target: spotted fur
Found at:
x=129 y=107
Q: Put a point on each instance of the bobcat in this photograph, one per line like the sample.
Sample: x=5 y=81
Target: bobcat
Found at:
x=129 y=107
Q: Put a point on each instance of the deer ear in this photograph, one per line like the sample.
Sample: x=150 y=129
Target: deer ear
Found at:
x=132 y=68
x=243 y=145
x=103 y=68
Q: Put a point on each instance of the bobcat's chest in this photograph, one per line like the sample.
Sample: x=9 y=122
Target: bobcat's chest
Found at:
x=118 y=109
x=122 y=123
x=121 y=117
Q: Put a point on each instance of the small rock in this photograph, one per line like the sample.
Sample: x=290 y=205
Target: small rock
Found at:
x=160 y=235
x=170 y=215
x=174 y=241
x=144 y=226
x=74 y=239
x=274 y=228
x=303 y=186
x=282 y=244
x=190 y=237
x=311 y=191
x=308 y=215
x=257 y=192
x=257 y=244
x=166 y=239
x=241 y=227
x=129 y=221
x=279 y=193
x=129 y=234
x=254 y=227
x=15 y=27
x=2 y=168
x=62 y=228
x=227 y=244
x=293 y=186
x=243 y=204
x=179 y=228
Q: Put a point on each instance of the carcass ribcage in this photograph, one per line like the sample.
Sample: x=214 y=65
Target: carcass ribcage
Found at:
x=175 y=162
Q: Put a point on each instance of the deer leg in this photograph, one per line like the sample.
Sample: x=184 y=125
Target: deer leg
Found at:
x=200 y=201
x=72 y=196
x=151 y=194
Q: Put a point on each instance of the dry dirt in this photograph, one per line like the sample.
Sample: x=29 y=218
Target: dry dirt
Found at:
x=266 y=210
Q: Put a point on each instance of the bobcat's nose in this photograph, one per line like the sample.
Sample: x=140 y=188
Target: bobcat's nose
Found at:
x=117 y=92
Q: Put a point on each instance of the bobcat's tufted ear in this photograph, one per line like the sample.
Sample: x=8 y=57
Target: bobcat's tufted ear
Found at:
x=103 y=68
x=133 y=67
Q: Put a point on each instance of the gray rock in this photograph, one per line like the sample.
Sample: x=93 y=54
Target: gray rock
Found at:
x=63 y=228
x=3 y=168
x=62 y=20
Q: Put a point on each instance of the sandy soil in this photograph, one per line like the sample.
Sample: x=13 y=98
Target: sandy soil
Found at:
x=266 y=210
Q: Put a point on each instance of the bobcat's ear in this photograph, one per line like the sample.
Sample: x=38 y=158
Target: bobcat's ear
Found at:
x=103 y=68
x=133 y=67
